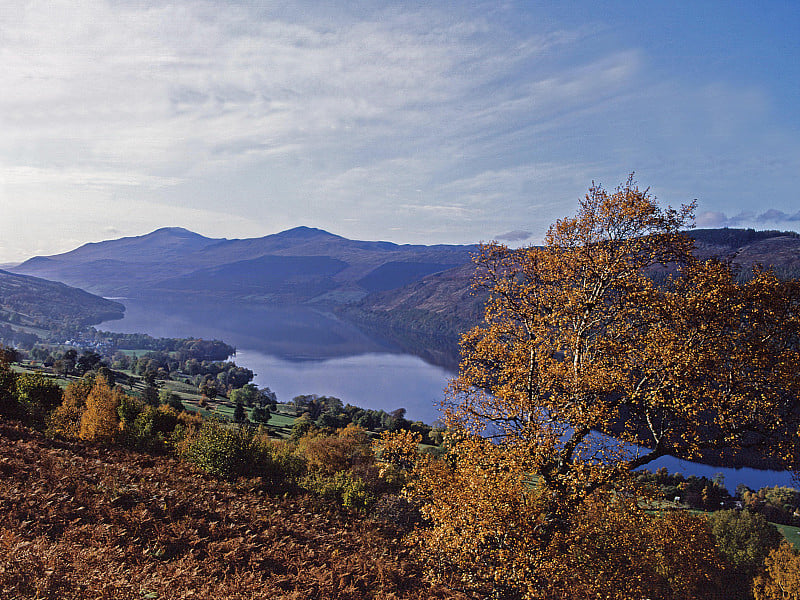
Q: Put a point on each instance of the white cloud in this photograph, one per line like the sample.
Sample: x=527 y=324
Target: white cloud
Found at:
x=443 y=123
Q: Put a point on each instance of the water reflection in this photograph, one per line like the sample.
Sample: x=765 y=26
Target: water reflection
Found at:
x=376 y=381
x=300 y=351
x=303 y=351
x=287 y=332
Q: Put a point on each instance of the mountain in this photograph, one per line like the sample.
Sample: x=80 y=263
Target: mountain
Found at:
x=431 y=313
x=417 y=296
x=106 y=267
x=30 y=306
x=301 y=265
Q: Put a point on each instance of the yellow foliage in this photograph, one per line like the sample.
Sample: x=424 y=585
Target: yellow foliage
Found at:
x=782 y=578
x=498 y=530
x=334 y=453
x=614 y=327
x=66 y=418
x=100 y=421
x=399 y=448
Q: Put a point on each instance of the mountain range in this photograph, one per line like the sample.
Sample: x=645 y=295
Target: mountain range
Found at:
x=418 y=295
x=301 y=265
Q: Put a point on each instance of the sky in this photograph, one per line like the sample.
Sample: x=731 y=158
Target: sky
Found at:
x=412 y=122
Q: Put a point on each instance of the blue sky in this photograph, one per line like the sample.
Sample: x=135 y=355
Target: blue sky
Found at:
x=450 y=122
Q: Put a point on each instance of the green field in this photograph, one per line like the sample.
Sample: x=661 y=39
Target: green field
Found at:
x=792 y=534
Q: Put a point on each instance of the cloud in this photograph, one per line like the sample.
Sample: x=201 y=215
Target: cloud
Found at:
x=776 y=216
x=750 y=219
x=432 y=122
x=514 y=236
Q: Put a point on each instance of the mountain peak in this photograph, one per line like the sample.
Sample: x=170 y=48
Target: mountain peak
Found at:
x=173 y=231
x=304 y=232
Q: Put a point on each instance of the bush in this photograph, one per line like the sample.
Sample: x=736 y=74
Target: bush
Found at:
x=345 y=488
x=230 y=452
x=36 y=396
x=744 y=540
x=334 y=453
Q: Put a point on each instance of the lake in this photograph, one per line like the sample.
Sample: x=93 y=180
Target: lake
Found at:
x=297 y=351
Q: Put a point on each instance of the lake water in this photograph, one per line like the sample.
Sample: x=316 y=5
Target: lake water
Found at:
x=297 y=351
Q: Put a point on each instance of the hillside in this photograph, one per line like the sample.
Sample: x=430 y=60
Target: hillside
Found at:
x=301 y=265
x=426 y=317
x=431 y=313
x=83 y=522
x=32 y=304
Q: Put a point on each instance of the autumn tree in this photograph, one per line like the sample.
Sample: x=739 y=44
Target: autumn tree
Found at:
x=66 y=418
x=781 y=581
x=610 y=335
x=100 y=421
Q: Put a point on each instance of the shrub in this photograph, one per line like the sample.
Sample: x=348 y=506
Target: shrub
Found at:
x=36 y=396
x=345 y=488
x=229 y=452
x=334 y=453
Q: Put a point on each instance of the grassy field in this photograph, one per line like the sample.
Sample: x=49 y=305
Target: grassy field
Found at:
x=792 y=534
x=134 y=353
x=26 y=368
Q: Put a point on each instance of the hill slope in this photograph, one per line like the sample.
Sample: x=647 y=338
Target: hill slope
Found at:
x=30 y=302
x=301 y=265
x=83 y=522
x=432 y=313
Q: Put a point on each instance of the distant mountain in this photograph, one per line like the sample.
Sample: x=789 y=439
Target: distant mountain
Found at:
x=748 y=247
x=418 y=296
x=432 y=312
x=109 y=267
x=29 y=305
x=301 y=265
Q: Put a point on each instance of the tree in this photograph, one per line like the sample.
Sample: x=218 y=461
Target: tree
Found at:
x=239 y=413
x=744 y=539
x=66 y=418
x=8 y=355
x=612 y=334
x=100 y=421
x=261 y=414
x=208 y=389
x=782 y=578
x=8 y=402
x=37 y=396
x=150 y=394
x=88 y=361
